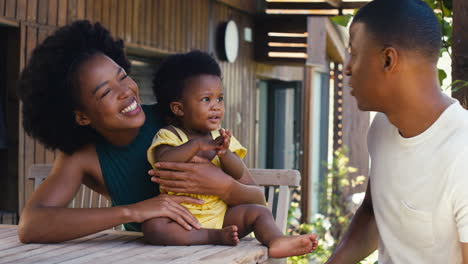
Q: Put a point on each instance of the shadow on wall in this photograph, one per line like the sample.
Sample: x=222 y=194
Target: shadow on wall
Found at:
x=3 y=132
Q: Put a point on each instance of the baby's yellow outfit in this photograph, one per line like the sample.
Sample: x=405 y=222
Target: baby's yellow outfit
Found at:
x=211 y=213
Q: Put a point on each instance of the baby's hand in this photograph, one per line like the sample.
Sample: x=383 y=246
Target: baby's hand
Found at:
x=226 y=140
x=205 y=144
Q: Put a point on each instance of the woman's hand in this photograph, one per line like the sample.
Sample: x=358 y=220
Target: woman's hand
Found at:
x=168 y=206
x=198 y=177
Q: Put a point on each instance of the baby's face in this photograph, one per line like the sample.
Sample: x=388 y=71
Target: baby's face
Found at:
x=203 y=103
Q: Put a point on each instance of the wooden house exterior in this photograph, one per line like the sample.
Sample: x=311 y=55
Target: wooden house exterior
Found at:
x=151 y=29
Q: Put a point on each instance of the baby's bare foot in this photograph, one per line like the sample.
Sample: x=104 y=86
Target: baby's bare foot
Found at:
x=229 y=236
x=287 y=246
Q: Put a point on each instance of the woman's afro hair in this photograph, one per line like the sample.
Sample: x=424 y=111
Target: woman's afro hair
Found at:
x=48 y=85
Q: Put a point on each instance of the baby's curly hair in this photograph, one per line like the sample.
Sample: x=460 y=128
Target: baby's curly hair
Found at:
x=48 y=85
x=171 y=78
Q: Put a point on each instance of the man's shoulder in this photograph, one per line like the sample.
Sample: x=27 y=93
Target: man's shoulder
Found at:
x=379 y=125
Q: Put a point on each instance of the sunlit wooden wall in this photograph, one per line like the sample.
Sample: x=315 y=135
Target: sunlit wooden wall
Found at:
x=160 y=26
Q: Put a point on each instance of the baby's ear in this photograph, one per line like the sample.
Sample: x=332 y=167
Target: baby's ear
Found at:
x=177 y=108
x=81 y=118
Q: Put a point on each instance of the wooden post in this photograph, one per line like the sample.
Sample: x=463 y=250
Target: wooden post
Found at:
x=316 y=42
x=316 y=61
x=460 y=48
x=307 y=141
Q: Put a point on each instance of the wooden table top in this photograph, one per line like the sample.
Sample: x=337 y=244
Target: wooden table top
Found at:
x=118 y=247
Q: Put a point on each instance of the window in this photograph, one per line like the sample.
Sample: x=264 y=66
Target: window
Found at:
x=142 y=73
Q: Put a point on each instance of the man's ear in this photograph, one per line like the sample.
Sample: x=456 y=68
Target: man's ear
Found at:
x=390 y=59
x=81 y=118
x=177 y=108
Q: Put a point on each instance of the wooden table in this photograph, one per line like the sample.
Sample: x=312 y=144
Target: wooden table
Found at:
x=118 y=247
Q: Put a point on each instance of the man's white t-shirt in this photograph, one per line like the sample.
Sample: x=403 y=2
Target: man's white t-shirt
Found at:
x=419 y=189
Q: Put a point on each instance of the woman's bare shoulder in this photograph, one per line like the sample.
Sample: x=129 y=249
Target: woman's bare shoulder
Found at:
x=83 y=162
x=68 y=172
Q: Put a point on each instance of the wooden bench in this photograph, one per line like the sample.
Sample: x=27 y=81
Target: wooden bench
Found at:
x=277 y=186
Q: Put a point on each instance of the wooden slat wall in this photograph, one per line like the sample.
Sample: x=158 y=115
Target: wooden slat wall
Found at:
x=239 y=82
x=166 y=25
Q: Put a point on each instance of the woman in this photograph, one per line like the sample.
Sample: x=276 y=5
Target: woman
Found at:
x=78 y=99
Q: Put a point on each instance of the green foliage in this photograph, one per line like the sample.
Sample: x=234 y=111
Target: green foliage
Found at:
x=442 y=76
x=443 y=12
x=330 y=226
x=321 y=226
x=338 y=182
x=457 y=85
x=342 y=20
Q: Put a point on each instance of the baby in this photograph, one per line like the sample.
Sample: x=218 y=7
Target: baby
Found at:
x=190 y=95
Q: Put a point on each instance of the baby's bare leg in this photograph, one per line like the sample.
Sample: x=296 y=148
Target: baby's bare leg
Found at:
x=257 y=218
x=165 y=232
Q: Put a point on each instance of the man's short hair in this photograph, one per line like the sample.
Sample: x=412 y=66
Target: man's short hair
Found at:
x=407 y=24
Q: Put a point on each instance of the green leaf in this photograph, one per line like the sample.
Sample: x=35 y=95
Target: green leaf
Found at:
x=457 y=85
x=342 y=20
x=442 y=76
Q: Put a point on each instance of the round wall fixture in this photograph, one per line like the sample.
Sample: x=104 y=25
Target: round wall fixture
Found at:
x=228 y=41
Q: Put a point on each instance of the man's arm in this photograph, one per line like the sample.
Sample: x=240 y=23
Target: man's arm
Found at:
x=464 y=247
x=362 y=236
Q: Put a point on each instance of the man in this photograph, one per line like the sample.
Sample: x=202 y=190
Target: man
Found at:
x=416 y=205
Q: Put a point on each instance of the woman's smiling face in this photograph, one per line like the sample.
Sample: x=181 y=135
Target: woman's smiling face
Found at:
x=109 y=99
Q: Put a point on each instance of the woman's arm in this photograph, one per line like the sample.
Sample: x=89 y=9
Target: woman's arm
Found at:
x=46 y=219
x=206 y=178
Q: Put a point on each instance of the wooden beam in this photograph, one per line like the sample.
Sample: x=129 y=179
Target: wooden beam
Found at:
x=299 y=5
x=8 y=22
x=336 y=46
x=306 y=143
x=460 y=49
x=308 y=6
x=249 y=6
x=281 y=23
x=286 y=40
x=335 y=3
x=353 y=5
x=286 y=49
x=282 y=73
x=146 y=51
x=316 y=42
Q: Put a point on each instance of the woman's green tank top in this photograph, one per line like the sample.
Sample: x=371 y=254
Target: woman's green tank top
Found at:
x=125 y=169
